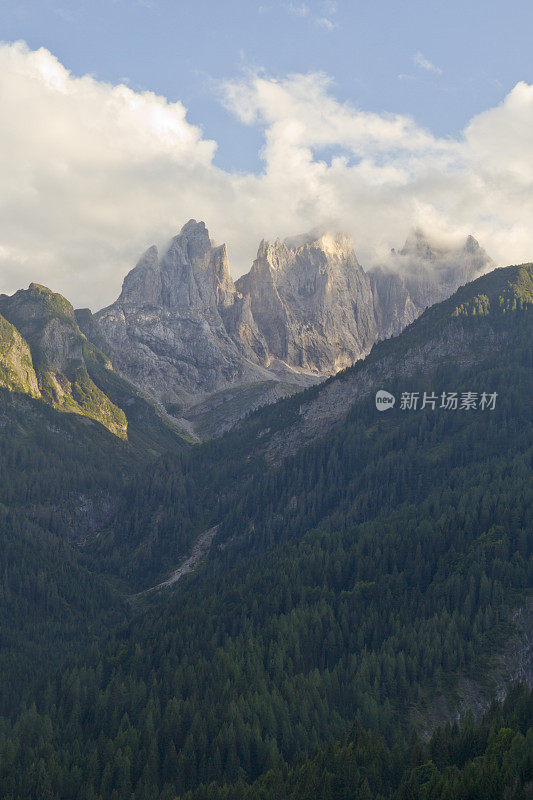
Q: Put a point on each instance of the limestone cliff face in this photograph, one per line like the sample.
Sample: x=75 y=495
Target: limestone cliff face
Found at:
x=179 y=328
x=442 y=336
x=421 y=274
x=312 y=303
x=190 y=337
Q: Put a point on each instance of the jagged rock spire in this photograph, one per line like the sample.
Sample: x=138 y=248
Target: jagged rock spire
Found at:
x=182 y=328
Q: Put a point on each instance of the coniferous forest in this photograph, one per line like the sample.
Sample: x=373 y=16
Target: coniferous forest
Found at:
x=357 y=628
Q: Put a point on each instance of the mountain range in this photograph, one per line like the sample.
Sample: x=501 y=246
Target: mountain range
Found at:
x=203 y=620
x=204 y=350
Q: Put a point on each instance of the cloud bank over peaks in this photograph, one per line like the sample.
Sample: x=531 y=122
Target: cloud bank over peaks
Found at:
x=93 y=173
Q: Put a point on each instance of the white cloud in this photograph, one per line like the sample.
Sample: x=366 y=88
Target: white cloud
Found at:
x=326 y=23
x=317 y=15
x=91 y=174
x=421 y=61
x=298 y=9
x=329 y=9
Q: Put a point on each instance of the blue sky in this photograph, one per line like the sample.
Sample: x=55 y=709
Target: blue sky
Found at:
x=122 y=119
x=374 y=50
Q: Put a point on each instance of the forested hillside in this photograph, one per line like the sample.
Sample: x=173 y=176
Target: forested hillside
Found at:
x=61 y=478
x=350 y=581
x=487 y=761
x=58 y=474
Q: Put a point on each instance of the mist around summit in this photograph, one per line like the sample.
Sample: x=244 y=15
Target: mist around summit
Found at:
x=266 y=401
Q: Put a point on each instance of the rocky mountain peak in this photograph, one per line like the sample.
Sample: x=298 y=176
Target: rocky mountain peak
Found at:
x=418 y=244
x=339 y=244
x=471 y=245
x=190 y=245
x=422 y=273
x=421 y=248
x=310 y=253
x=197 y=237
x=45 y=319
x=40 y=303
x=192 y=272
x=271 y=255
x=184 y=331
x=179 y=327
x=311 y=301
x=142 y=286
x=47 y=322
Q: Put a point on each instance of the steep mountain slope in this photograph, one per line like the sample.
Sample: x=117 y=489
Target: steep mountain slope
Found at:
x=419 y=275
x=462 y=331
x=452 y=337
x=354 y=578
x=64 y=456
x=16 y=366
x=60 y=475
x=209 y=350
x=45 y=355
x=491 y=759
x=61 y=478
x=312 y=303
x=48 y=323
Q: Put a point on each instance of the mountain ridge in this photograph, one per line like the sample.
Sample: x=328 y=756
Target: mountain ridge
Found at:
x=442 y=334
x=204 y=350
x=186 y=332
x=359 y=580
x=46 y=356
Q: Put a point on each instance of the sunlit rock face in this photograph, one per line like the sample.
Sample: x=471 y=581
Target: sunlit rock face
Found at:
x=44 y=354
x=312 y=302
x=184 y=332
x=179 y=328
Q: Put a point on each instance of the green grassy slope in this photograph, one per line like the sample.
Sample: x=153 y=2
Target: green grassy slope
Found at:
x=16 y=368
x=44 y=354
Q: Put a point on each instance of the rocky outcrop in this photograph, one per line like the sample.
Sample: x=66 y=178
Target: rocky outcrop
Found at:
x=180 y=329
x=512 y=663
x=419 y=275
x=312 y=302
x=47 y=323
x=195 y=341
x=16 y=367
